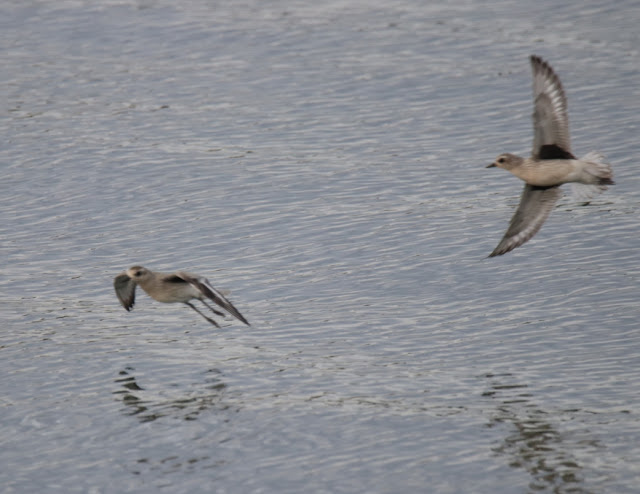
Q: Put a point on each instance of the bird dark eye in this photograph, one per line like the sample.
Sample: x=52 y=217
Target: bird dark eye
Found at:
x=501 y=160
x=138 y=273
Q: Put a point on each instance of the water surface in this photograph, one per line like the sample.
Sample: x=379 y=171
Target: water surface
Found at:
x=326 y=164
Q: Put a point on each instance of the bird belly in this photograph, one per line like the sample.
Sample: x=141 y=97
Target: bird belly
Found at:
x=174 y=293
x=547 y=173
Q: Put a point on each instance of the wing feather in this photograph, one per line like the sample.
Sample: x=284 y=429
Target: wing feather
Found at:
x=535 y=205
x=550 y=117
x=125 y=290
x=203 y=285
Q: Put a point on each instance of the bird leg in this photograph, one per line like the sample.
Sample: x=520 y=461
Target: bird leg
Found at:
x=207 y=318
x=217 y=312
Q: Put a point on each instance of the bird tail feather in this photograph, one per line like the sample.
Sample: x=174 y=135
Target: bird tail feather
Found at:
x=598 y=167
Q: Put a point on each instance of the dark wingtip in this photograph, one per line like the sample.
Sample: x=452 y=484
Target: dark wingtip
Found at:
x=499 y=251
x=535 y=59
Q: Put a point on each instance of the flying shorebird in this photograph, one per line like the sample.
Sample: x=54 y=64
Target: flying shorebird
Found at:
x=551 y=164
x=172 y=288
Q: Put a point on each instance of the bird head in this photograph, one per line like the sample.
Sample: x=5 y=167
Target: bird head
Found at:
x=138 y=273
x=507 y=161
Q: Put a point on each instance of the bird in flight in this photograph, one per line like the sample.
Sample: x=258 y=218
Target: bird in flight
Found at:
x=171 y=288
x=551 y=163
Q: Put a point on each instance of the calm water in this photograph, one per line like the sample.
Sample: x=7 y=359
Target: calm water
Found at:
x=325 y=164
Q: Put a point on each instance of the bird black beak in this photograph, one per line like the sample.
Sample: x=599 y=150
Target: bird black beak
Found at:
x=491 y=165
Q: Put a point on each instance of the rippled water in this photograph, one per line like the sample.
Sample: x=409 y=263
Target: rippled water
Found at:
x=326 y=164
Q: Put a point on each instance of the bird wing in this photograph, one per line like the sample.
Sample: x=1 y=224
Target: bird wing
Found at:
x=203 y=285
x=550 y=119
x=175 y=278
x=125 y=290
x=535 y=205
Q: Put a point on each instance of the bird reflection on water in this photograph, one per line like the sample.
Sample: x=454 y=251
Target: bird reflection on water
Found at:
x=535 y=443
x=186 y=404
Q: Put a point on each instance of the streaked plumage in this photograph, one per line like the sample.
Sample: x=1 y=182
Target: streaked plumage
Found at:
x=551 y=164
x=172 y=288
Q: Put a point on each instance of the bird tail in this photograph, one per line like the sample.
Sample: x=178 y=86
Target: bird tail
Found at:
x=600 y=170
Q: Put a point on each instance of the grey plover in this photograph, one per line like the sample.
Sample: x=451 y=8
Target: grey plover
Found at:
x=172 y=288
x=551 y=163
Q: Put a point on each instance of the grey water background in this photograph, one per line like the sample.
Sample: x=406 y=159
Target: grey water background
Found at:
x=323 y=161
